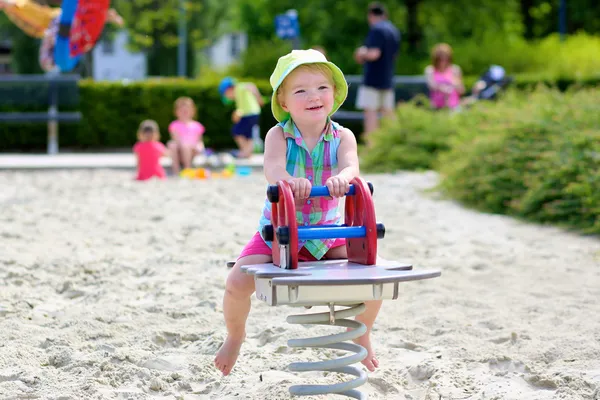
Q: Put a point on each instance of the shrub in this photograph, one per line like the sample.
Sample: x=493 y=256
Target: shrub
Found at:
x=535 y=155
x=261 y=66
x=411 y=142
x=566 y=189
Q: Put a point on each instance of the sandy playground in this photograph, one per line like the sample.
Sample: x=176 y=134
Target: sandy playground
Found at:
x=111 y=289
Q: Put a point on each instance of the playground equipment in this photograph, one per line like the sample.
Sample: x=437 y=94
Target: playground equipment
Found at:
x=343 y=283
x=62 y=47
x=68 y=32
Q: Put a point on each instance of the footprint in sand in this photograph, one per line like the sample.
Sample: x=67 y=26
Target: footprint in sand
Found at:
x=167 y=339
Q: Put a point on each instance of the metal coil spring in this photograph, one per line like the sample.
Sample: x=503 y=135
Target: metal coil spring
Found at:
x=335 y=341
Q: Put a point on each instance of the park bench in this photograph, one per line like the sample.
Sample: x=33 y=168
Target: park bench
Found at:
x=22 y=96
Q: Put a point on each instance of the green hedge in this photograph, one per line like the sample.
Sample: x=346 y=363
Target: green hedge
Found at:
x=113 y=111
x=533 y=154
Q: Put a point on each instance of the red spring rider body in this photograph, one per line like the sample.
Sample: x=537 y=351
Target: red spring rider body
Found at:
x=360 y=229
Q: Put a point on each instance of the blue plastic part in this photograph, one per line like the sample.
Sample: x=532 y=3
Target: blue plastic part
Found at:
x=62 y=52
x=331 y=232
x=317 y=191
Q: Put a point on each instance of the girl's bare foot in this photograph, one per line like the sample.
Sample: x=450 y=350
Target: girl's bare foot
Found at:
x=228 y=354
x=370 y=361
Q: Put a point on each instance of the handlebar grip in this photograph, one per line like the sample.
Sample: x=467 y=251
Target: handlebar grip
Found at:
x=322 y=191
x=316 y=191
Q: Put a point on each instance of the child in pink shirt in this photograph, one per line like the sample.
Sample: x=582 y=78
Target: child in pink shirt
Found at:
x=148 y=151
x=186 y=135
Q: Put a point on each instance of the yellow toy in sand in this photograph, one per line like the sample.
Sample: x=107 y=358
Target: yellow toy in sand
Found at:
x=203 y=173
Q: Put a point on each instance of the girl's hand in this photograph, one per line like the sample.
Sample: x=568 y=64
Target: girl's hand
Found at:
x=338 y=186
x=456 y=81
x=301 y=187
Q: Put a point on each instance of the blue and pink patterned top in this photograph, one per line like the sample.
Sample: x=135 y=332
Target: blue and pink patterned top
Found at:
x=316 y=166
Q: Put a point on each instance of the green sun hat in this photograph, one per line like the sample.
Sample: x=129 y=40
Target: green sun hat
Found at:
x=286 y=64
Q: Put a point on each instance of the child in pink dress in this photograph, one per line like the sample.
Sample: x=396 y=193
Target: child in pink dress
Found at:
x=148 y=151
x=186 y=135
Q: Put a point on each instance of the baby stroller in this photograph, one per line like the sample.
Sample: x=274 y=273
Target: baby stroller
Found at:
x=489 y=85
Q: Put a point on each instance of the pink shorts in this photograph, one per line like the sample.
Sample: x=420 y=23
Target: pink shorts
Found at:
x=257 y=245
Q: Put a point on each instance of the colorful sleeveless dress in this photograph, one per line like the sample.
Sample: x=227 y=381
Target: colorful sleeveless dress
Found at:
x=316 y=166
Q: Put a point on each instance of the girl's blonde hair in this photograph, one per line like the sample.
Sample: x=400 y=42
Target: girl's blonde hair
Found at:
x=148 y=127
x=439 y=51
x=315 y=68
x=184 y=101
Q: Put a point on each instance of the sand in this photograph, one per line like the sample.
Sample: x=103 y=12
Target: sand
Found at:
x=112 y=289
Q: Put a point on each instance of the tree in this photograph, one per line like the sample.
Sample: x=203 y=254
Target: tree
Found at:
x=153 y=27
x=414 y=33
x=338 y=26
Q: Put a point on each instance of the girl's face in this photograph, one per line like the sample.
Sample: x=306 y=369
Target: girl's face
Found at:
x=185 y=112
x=308 y=96
x=147 y=136
x=229 y=93
x=443 y=62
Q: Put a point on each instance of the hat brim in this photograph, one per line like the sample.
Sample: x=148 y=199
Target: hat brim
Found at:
x=339 y=81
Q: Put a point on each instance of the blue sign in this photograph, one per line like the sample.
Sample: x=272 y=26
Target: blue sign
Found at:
x=287 y=26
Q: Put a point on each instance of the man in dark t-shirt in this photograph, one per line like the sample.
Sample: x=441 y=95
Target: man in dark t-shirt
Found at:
x=378 y=55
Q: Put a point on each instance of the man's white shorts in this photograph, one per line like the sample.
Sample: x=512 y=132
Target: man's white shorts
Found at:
x=370 y=98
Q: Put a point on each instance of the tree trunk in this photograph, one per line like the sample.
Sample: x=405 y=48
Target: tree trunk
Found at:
x=527 y=18
x=413 y=30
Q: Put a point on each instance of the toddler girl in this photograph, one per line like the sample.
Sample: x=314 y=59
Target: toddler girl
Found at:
x=148 y=151
x=306 y=148
x=186 y=135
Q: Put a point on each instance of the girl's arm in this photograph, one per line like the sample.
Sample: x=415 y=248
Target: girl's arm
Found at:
x=275 y=162
x=458 y=80
x=135 y=152
x=201 y=147
x=201 y=130
x=348 y=165
x=348 y=155
x=257 y=94
x=165 y=151
x=173 y=133
x=429 y=77
x=275 y=156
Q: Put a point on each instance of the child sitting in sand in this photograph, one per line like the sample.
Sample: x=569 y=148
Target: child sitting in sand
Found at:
x=306 y=148
x=186 y=135
x=148 y=151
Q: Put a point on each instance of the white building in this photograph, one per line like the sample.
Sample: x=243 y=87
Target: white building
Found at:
x=112 y=61
x=227 y=50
